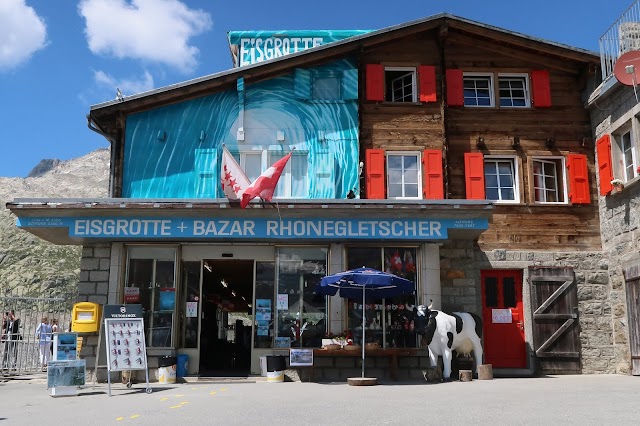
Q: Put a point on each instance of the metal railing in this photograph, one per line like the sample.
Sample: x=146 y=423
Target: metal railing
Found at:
x=621 y=37
x=20 y=353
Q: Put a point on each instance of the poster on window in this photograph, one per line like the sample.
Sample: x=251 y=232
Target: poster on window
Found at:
x=283 y=302
x=192 y=310
x=501 y=316
x=263 y=309
x=131 y=295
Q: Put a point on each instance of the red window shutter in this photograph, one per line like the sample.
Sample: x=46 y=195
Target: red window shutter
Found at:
x=427 y=74
x=374 y=74
x=455 y=88
x=375 y=174
x=605 y=170
x=432 y=168
x=578 y=179
x=540 y=89
x=474 y=175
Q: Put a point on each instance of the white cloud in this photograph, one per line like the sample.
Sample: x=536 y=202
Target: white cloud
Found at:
x=22 y=33
x=128 y=86
x=151 y=30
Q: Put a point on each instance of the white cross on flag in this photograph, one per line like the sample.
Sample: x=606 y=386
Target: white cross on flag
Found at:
x=266 y=183
x=234 y=181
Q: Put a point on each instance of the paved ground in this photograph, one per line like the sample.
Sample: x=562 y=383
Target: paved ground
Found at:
x=562 y=400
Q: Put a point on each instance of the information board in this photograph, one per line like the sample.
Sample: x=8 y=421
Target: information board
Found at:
x=66 y=373
x=126 y=349
x=65 y=346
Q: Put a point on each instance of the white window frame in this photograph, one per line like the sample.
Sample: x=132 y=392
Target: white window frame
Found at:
x=515 y=177
x=414 y=85
x=527 y=91
x=562 y=174
x=418 y=157
x=265 y=163
x=620 y=154
x=492 y=95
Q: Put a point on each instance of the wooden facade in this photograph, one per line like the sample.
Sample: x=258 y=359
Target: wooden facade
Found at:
x=561 y=129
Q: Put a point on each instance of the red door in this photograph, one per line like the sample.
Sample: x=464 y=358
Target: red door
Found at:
x=503 y=319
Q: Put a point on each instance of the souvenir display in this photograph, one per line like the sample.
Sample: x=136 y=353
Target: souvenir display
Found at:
x=125 y=344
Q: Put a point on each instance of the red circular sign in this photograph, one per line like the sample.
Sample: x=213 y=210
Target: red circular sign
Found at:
x=627 y=66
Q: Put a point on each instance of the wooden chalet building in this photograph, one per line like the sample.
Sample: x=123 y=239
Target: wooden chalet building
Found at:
x=451 y=152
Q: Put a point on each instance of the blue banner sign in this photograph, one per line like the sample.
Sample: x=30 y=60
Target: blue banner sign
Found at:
x=257 y=46
x=257 y=228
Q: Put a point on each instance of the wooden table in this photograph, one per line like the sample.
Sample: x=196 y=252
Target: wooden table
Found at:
x=392 y=354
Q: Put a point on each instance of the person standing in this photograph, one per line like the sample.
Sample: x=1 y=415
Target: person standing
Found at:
x=43 y=333
x=12 y=335
x=54 y=330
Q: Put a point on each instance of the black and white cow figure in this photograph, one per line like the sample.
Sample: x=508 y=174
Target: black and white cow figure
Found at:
x=445 y=333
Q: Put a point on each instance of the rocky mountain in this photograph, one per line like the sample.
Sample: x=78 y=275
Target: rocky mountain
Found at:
x=34 y=267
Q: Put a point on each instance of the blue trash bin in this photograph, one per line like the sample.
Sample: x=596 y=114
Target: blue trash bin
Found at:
x=182 y=362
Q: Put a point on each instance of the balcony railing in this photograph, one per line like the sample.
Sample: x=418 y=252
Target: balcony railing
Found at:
x=621 y=37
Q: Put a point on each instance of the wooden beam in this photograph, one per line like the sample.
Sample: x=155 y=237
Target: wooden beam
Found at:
x=554 y=336
x=553 y=297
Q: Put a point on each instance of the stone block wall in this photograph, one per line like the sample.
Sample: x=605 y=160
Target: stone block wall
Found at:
x=600 y=301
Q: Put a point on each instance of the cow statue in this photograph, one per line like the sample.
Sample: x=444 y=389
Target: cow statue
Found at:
x=444 y=333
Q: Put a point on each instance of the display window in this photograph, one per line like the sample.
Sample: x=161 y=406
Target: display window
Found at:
x=150 y=282
x=389 y=322
x=301 y=313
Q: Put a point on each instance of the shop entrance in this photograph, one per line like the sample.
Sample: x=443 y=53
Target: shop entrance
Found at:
x=227 y=318
x=503 y=319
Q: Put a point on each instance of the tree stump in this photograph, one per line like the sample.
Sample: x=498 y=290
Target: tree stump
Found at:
x=362 y=381
x=485 y=372
x=466 y=375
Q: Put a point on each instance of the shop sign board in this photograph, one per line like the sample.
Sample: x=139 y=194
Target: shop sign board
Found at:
x=251 y=47
x=132 y=228
x=301 y=357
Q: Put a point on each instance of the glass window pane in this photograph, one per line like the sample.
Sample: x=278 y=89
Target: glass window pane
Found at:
x=507 y=194
x=411 y=176
x=509 y=292
x=491 y=292
x=326 y=88
x=299 y=270
x=265 y=288
x=395 y=190
x=394 y=162
x=492 y=193
x=411 y=190
x=191 y=296
x=252 y=165
x=398 y=312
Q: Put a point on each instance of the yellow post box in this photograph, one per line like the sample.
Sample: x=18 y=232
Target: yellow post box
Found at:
x=85 y=317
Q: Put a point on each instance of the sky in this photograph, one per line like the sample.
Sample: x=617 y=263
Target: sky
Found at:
x=59 y=57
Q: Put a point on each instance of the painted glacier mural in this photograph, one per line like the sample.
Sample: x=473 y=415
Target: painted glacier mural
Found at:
x=175 y=151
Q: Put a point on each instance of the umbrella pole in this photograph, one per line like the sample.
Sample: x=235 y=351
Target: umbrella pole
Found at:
x=363 y=322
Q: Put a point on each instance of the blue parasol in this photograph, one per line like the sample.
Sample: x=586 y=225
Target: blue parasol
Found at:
x=364 y=283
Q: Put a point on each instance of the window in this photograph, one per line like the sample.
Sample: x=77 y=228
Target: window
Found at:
x=513 y=90
x=301 y=312
x=294 y=181
x=326 y=87
x=400 y=84
x=390 y=321
x=478 y=90
x=150 y=282
x=549 y=180
x=403 y=175
x=625 y=155
x=500 y=179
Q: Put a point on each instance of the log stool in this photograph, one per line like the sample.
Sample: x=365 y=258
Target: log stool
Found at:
x=485 y=372
x=466 y=375
x=362 y=381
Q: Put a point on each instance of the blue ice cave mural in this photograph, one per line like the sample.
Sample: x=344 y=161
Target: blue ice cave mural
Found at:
x=175 y=151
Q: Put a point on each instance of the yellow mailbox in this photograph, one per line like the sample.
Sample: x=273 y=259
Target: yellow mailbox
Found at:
x=85 y=317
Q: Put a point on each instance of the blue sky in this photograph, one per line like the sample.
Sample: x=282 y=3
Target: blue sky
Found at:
x=59 y=57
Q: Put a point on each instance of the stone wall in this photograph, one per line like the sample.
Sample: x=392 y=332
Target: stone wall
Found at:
x=600 y=303
x=619 y=220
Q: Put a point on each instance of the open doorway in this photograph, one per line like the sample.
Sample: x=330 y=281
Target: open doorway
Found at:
x=227 y=318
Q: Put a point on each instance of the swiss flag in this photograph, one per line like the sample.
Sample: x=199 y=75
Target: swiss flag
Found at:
x=265 y=185
x=234 y=181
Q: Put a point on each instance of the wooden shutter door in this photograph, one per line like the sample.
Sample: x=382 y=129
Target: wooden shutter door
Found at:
x=427 y=75
x=432 y=169
x=540 y=89
x=605 y=170
x=474 y=175
x=556 y=331
x=375 y=174
x=374 y=75
x=455 y=87
x=632 y=281
x=578 y=179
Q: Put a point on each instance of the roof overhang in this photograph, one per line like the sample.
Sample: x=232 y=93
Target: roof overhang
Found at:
x=80 y=221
